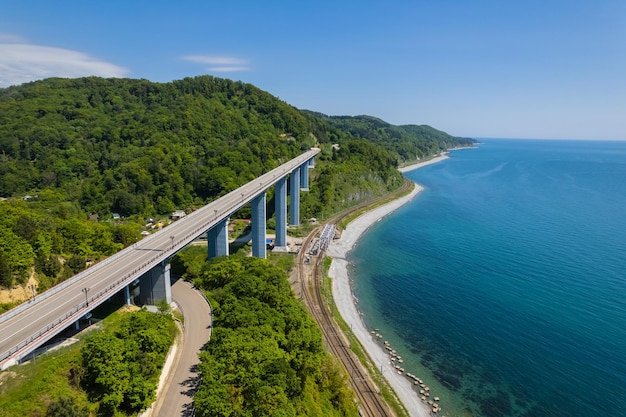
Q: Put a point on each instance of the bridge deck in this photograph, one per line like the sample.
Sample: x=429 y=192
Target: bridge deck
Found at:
x=31 y=324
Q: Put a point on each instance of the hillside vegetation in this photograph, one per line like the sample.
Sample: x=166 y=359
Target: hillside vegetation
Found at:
x=70 y=148
x=408 y=143
x=266 y=356
x=109 y=372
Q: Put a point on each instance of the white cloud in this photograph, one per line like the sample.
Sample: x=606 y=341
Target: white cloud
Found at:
x=11 y=38
x=21 y=62
x=227 y=69
x=219 y=63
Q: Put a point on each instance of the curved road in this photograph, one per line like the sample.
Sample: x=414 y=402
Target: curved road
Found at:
x=180 y=386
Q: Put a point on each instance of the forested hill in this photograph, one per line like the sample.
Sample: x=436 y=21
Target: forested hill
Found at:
x=135 y=146
x=408 y=142
x=73 y=148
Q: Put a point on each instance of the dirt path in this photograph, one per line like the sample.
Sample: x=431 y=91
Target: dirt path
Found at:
x=20 y=293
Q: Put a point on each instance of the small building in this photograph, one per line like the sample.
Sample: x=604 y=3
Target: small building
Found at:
x=116 y=216
x=178 y=214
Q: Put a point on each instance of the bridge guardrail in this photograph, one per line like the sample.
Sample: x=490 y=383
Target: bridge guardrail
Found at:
x=51 y=291
x=115 y=286
x=84 y=306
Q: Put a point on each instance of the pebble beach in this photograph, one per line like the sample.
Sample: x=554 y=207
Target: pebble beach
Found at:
x=402 y=384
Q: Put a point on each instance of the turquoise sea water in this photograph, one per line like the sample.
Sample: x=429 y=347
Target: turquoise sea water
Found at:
x=503 y=284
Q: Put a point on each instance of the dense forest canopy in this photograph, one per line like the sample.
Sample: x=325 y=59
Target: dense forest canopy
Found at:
x=266 y=356
x=132 y=146
x=407 y=142
x=120 y=370
x=73 y=148
x=138 y=147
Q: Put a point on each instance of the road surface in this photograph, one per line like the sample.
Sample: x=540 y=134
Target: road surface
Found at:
x=177 y=396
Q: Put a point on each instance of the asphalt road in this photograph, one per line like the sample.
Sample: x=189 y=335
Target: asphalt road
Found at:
x=28 y=326
x=183 y=381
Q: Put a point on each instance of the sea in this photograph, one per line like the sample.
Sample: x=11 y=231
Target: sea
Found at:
x=503 y=284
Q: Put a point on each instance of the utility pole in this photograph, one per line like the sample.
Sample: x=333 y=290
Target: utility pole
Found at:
x=86 y=290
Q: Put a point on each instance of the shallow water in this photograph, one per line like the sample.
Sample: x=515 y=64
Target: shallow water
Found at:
x=503 y=284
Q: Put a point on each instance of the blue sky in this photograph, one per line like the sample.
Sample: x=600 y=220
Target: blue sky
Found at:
x=505 y=68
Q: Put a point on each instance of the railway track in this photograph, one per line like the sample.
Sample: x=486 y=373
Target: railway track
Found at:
x=371 y=402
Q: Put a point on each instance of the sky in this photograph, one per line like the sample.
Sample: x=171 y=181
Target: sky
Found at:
x=553 y=69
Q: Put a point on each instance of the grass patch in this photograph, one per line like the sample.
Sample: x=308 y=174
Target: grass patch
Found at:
x=6 y=307
x=28 y=389
x=302 y=230
x=284 y=261
x=178 y=315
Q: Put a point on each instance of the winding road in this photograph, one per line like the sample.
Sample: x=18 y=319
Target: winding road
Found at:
x=183 y=381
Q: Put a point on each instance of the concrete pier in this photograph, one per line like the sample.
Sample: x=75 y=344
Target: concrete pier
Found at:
x=294 y=198
x=217 y=239
x=259 y=249
x=155 y=285
x=280 y=198
x=304 y=177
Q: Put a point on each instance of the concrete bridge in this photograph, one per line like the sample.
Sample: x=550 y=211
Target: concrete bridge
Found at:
x=28 y=326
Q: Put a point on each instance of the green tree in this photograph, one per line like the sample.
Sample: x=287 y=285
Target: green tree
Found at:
x=266 y=354
x=121 y=369
x=76 y=263
x=18 y=256
x=6 y=279
x=106 y=377
x=26 y=228
x=126 y=233
x=49 y=266
x=66 y=407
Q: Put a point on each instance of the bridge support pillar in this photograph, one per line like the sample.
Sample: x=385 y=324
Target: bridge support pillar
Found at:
x=217 y=239
x=127 y=294
x=312 y=163
x=294 y=189
x=280 y=195
x=258 y=226
x=155 y=285
x=304 y=177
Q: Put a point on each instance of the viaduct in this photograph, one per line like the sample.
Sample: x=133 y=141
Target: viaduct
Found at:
x=28 y=326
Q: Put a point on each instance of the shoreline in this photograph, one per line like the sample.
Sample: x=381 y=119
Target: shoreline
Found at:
x=344 y=298
x=442 y=156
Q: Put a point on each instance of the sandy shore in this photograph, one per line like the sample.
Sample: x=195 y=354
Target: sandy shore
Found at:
x=436 y=159
x=342 y=294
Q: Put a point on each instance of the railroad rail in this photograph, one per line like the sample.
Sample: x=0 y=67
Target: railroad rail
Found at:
x=371 y=402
